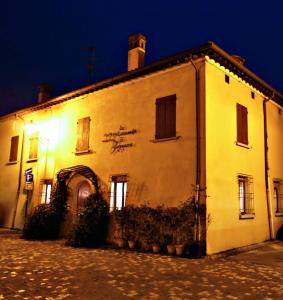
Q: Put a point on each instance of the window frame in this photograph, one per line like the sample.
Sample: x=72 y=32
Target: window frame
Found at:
x=165 y=117
x=83 y=135
x=245 y=196
x=33 y=146
x=14 y=147
x=114 y=181
x=44 y=199
x=242 y=125
x=278 y=196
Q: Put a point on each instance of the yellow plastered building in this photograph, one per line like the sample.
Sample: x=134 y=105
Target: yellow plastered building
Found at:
x=198 y=125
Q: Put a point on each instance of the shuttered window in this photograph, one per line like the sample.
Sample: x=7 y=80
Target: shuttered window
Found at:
x=165 y=126
x=33 y=146
x=242 y=124
x=14 y=148
x=83 y=126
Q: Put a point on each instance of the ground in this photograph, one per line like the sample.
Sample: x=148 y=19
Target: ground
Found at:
x=51 y=270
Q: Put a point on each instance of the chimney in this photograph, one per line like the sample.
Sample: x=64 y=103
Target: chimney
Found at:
x=136 y=51
x=44 y=91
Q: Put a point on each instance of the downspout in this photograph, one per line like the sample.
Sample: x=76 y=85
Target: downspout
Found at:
x=197 y=236
x=20 y=173
x=266 y=170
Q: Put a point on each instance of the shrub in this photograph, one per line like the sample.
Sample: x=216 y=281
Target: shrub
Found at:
x=45 y=220
x=161 y=225
x=43 y=223
x=92 y=225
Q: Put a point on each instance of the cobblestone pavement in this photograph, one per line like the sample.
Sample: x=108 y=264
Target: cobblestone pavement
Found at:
x=51 y=270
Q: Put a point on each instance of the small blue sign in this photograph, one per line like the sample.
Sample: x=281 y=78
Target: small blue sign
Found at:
x=29 y=177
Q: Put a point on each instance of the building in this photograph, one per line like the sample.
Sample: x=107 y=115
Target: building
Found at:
x=195 y=124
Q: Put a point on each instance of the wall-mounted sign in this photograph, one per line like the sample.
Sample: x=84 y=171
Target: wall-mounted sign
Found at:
x=119 y=139
x=29 y=186
x=29 y=179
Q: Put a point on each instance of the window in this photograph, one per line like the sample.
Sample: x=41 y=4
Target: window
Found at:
x=165 y=117
x=227 y=79
x=46 y=190
x=278 y=196
x=252 y=95
x=118 y=192
x=242 y=124
x=33 y=146
x=14 y=148
x=83 y=126
x=246 y=197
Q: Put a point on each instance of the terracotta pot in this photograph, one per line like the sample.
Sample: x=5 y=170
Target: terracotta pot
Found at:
x=180 y=249
x=155 y=248
x=171 y=249
x=132 y=244
x=120 y=243
x=145 y=246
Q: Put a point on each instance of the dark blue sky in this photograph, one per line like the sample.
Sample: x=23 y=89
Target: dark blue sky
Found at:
x=47 y=41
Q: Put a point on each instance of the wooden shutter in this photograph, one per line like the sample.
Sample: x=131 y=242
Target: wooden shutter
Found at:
x=171 y=116
x=83 y=126
x=165 y=117
x=33 y=146
x=242 y=124
x=160 y=123
x=14 y=148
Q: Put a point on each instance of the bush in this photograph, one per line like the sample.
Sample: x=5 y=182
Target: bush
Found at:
x=43 y=223
x=161 y=225
x=92 y=225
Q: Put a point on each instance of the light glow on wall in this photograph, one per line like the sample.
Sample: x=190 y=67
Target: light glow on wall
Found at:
x=48 y=132
x=30 y=128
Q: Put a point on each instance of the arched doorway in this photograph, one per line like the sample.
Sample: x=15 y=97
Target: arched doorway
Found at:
x=81 y=181
x=84 y=190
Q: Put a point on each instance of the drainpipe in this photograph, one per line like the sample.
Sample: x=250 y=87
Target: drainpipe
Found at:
x=20 y=173
x=197 y=183
x=266 y=169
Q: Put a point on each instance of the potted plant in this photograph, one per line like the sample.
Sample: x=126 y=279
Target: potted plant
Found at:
x=118 y=228
x=168 y=224
x=130 y=222
x=157 y=229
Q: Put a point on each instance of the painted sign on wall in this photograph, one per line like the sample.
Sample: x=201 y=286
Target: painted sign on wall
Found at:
x=119 y=139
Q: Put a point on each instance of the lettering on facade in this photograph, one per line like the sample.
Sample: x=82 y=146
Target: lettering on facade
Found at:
x=119 y=139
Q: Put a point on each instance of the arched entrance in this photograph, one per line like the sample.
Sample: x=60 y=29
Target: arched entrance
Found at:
x=81 y=181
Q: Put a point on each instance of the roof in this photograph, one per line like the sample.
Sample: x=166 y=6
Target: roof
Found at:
x=209 y=49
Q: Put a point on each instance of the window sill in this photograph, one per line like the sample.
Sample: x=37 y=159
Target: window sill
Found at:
x=279 y=214
x=165 y=139
x=246 y=216
x=32 y=160
x=243 y=145
x=11 y=162
x=89 y=151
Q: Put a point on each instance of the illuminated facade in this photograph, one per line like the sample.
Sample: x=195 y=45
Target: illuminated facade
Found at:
x=198 y=124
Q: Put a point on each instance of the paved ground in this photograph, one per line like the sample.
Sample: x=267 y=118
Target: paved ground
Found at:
x=50 y=270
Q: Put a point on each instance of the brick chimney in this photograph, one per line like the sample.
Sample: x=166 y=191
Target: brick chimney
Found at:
x=44 y=92
x=136 y=51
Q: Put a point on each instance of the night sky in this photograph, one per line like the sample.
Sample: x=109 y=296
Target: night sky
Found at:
x=49 y=41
